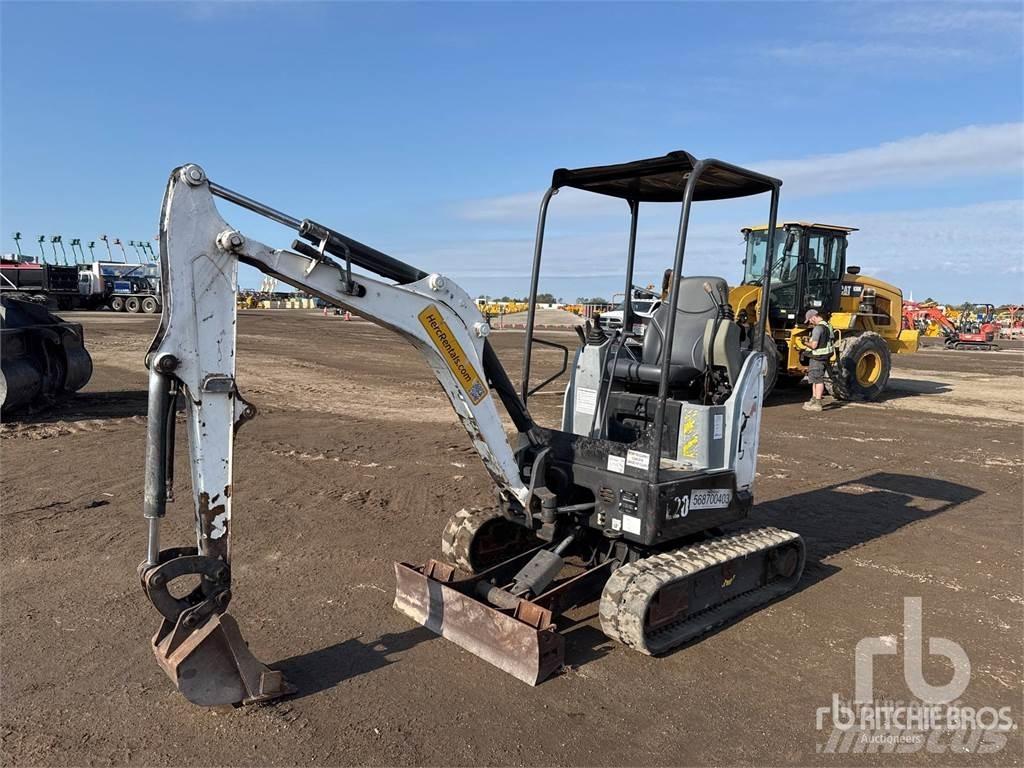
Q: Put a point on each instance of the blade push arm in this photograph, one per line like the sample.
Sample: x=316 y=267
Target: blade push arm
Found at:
x=194 y=356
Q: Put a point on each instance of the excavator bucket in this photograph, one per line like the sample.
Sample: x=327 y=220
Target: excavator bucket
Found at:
x=212 y=666
x=522 y=641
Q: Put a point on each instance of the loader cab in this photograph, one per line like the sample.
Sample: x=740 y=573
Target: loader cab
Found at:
x=806 y=275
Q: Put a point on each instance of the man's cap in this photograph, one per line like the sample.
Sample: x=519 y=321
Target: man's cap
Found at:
x=810 y=313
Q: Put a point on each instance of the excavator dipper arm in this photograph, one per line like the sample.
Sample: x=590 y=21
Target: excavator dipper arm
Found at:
x=193 y=358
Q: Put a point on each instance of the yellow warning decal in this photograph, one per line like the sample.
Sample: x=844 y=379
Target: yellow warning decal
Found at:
x=690 y=438
x=445 y=341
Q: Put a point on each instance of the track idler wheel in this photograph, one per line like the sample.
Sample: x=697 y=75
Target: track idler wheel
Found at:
x=198 y=645
x=477 y=539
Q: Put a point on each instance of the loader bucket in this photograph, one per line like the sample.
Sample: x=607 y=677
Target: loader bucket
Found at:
x=213 y=667
x=523 y=643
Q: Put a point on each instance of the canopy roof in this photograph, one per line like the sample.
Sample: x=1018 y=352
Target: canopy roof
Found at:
x=663 y=180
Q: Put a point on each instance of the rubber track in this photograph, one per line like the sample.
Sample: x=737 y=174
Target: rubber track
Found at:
x=629 y=591
x=459 y=532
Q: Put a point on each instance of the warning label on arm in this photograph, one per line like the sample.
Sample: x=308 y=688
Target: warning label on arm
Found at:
x=443 y=338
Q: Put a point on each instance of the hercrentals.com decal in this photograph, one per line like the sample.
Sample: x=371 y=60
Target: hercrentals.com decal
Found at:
x=445 y=341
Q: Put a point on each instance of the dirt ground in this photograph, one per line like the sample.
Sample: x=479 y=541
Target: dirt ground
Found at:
x=356 y=461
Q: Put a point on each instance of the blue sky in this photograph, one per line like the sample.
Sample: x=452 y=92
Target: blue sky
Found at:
x=431 y=130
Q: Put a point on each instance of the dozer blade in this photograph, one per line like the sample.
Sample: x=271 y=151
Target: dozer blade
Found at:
x=524 y=643
x=213 y=667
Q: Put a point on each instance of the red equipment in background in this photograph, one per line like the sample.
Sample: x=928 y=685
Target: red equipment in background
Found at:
x=977 y=329
x=974 y=329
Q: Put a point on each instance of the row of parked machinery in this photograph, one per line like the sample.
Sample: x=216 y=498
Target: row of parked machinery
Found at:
x=113 y=285
x=42 y=355
x=977 y=328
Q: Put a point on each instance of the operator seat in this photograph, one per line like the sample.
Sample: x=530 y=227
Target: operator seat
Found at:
x=694 y=308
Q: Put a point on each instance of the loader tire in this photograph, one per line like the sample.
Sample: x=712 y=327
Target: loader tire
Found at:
x=862 y=369
x=773 y=363
x=477 y=539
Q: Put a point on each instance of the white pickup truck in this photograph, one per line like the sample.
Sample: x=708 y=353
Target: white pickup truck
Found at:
x=643 y=308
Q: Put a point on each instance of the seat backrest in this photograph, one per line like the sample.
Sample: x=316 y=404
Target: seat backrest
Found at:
x=694 y=309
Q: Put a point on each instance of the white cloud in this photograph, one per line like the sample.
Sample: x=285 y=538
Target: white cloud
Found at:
x=526 y=205
x=952 y=18
x=830 y=52
x=968 y=152
x=981 y=241
x=882 y=35
x=972 y=151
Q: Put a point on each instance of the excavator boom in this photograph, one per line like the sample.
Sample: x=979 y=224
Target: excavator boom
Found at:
x=193 y=358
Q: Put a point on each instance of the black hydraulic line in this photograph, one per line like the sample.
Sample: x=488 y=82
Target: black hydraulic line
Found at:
x=169 y=432
x=606 y=387
x=498 y=376
x=574 y=508
x=361 y=254
x=254 y=205
x=155 y=496
x=335 y=243
x=386 y=266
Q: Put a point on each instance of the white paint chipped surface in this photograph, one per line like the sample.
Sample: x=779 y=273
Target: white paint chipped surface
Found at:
x=219 y=526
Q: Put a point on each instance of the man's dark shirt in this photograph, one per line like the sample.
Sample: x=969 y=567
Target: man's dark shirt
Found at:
x=819 y=335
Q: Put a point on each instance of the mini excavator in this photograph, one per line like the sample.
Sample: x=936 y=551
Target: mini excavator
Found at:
x=625 y=504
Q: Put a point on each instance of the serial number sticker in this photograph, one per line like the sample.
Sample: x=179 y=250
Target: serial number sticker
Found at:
x=447 y=344
x=586 y=400
x=631 y=524
x=638 y=459
x=616 y=464
x=710 y=498
x=719 y=427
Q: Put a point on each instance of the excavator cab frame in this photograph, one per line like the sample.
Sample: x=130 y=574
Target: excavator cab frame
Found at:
x=677 y=177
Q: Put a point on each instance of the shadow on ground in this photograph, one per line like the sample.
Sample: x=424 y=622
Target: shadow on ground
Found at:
x=84 y=405
x=898 y=388
x=831 y=520
x=320 y=670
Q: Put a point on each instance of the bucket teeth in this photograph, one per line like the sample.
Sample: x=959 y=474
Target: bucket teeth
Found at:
x=213 y=667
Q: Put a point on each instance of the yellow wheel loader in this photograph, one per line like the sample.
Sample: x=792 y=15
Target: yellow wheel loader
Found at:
x=809 y=271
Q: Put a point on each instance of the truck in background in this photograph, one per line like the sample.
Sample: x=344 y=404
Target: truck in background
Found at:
x=120 y=287
x=40 y=282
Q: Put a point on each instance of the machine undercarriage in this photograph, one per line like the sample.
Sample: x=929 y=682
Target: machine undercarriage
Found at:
x=624 y=504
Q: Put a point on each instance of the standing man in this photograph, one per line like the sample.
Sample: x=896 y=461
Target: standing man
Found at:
x=820 y=346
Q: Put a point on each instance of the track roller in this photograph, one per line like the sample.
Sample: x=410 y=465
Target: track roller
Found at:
x=660 y=602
